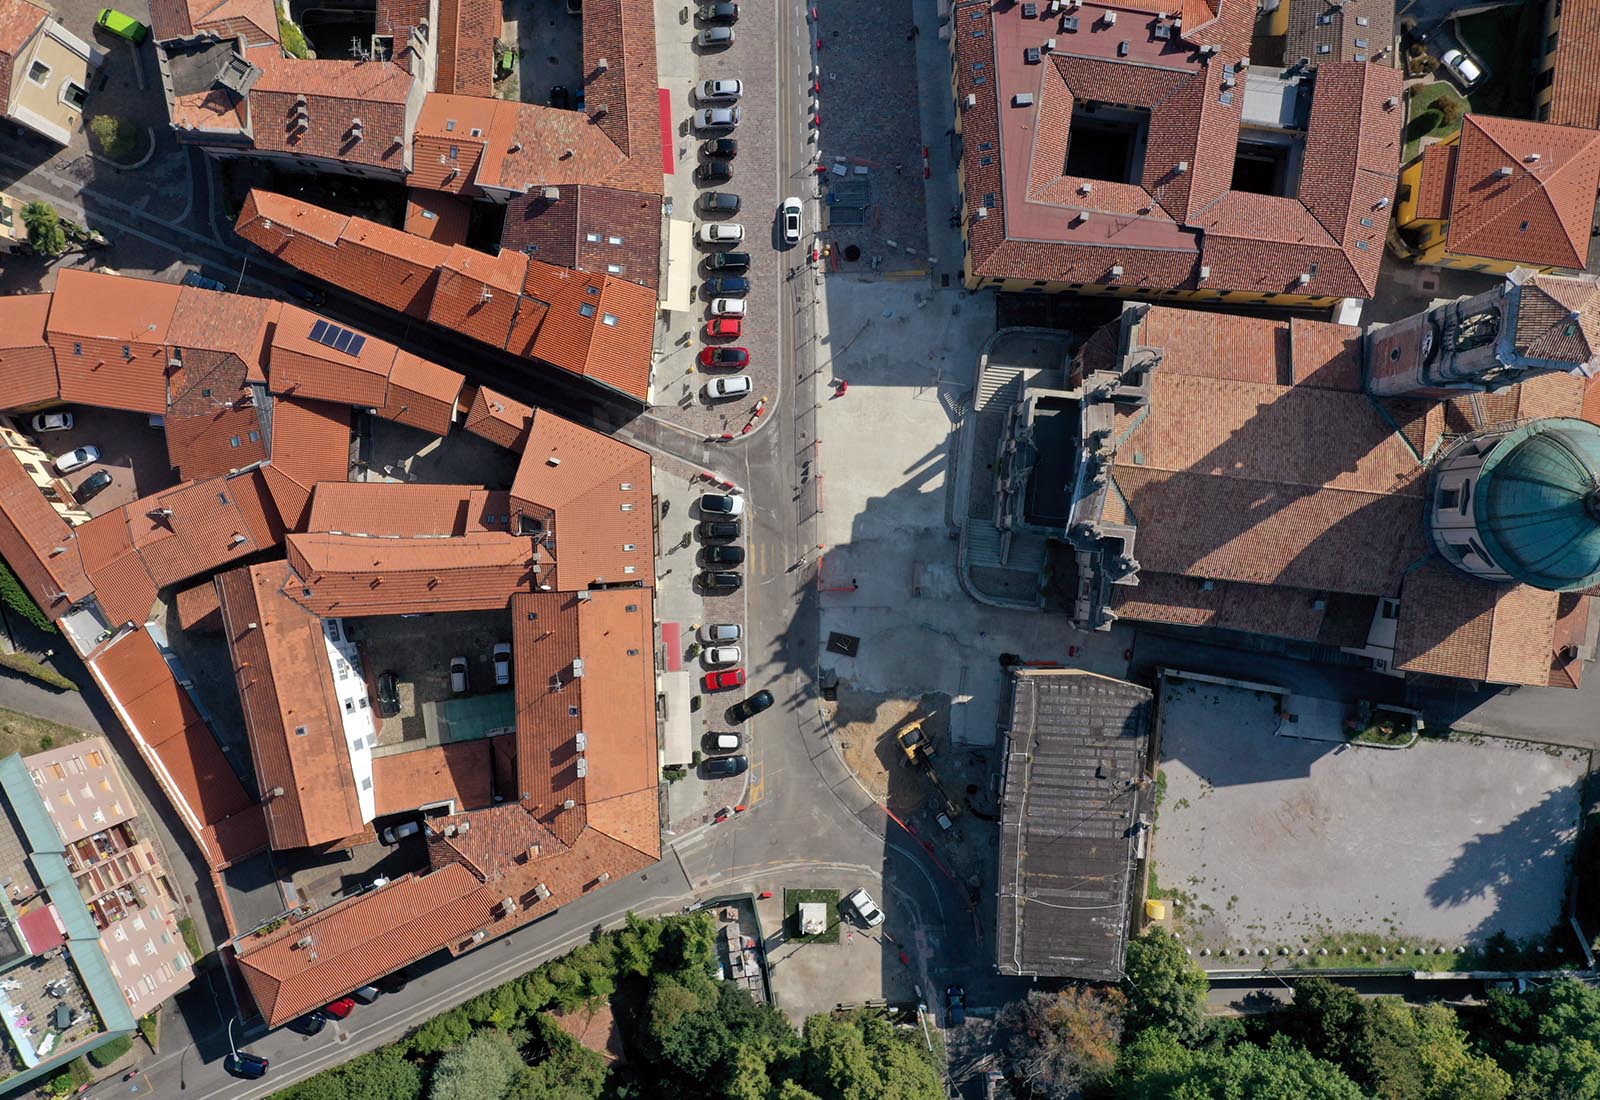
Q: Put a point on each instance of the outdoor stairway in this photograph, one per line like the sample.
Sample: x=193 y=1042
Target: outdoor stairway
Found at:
x=1004 y=383
x=1027 y=553
x=983 y=544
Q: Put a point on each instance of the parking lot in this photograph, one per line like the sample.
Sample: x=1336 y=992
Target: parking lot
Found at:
x=418 y=650
x=395 y=452
x=131 y=451
x=1274 y=841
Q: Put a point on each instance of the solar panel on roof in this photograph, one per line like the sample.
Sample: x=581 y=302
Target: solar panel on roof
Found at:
x=319 y=330
x=337 y=338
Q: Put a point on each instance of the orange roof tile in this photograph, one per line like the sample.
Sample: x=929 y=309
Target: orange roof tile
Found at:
x=37 y=543
x=437 y=216
x=197 y=526
x=355 y=112
x=307 y=368
x=237 y=324
x=274 y=640
x=422 y=394
x=394 y=508
x=1575 y=71
x=1438 y=177
x=499 y=419
x=199 y=608
x=123 y=585
x=360 y=575
x=1454 y=625
x=477 y=294
x=27 y=363
x=18 y=20
x=457 y=772
x=593 y=494
x=113 y=307
x=310 y=444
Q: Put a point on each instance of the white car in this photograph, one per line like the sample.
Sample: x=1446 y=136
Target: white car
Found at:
x=717 y=118
x=867 y=909
x=1465 y=69
x=737 y=386
x=722 y=233
x=723 y=655
x=724 y=91
x=395 y=834
x=791 y=214
x=722 y=504
x=727 y=307
x=76 y=460
x=723 y=632
x=458 y=675
x=52 y=422
x=726 y=742
x=502 y=663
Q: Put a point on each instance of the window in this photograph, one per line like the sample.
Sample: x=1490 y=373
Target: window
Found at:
x=613 y=269
x=586 y=309
x=1544 y=80
x=1550 y=43
x=449 y=125
x=627 y=507
x=73 y=95
x=1389 y=609
x=299 y=731
x=255 y=437
x=629 y=546
x=592 y=238
x=609 y=319
x=613 y=240
x=38 y=72
x=629 y=569
x=592 y=289
x=233 y=441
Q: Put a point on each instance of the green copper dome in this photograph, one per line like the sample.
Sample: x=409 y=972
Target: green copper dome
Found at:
x=1538 y=504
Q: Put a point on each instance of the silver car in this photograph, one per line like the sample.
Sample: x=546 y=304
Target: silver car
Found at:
x=717 y=118
x=719 y=91
x=715 y=38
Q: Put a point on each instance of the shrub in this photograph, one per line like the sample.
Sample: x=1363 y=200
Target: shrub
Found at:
x=674 y=772
x=1423 y=123
x=150 y=1028
x=191 y=937
x=294 y=39
x=44 y=230
x=1450 y=109
x=115 y=134
x=69 y=1079
x=11 y=591
x=108 y=1052
x=36 y=670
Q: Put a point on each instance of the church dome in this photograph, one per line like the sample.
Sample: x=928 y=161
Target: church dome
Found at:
x=1537 y=504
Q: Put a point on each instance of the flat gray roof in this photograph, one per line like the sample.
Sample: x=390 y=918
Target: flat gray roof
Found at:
x=1069 y=833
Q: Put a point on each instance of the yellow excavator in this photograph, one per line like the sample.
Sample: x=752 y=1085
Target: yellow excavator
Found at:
x=915 y=743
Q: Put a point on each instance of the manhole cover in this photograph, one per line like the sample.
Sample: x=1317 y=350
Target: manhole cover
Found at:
x=852 y=252
x=846 y=644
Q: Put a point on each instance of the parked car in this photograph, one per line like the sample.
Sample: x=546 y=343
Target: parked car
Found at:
x=560 y=98
x=1462 y=67
x=724 y=148
x=502 y=663
x=867 y=909
x=720 y=632
x=77 y=460
x=724 y=357
x=194 y=278
x=725 y=742
x=749 y=708
x=92 y=486
x=124 y=26
x=717 y=118
x=721 y=11
x=396 y=833
x=723 y=328
x=721 y=233
x=718 y=529
x=715 y=38
x=791 y=216
x=718 y=202
x=310 y=295
x=52 y=422
x=394 y=983
x=724 y=766
x=723 y=555
x=309 y=1024
x=720 y=582
x=733 y=285
x=366 y=994
x=388 y=694
x=737 y=385
x=721 y=504
x=728 y=261
x=725 y=680
x=715 y=170
x=241 y=1063
x=458 y=675
x=721 y=655
x=339 y=1009
x=719 y=91
x=727 y=307
x=956 y=999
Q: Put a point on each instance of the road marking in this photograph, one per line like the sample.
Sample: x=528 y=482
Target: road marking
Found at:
x=758 y=783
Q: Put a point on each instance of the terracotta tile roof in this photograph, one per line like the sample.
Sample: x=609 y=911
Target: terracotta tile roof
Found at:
x=1454 y=625
x=214 y=110
x=579 y=482
x=178 y=747
x=274 y=640
x=237 y=324
x=200 y=609
x=310 y=444
x=336 y=94
x=618 y=30
x=306 y=368
x=405 y=509
x=495 y=842
x=18 y=20
x=197 y=526
x=1214 y=345
x=37 y=543
x=358 y=575
x=1325 y=355
x=1277 y=610
x=205 y=436
x=1559 y=316
x=457 y=772
x=422 y=394
x=253 y=20
x=1575 y=88
x=1524 y=191
x=544 y=645
x=478 y=294
x=437 y=216
x=1357 y=30
x=27 y=362
x=499 y=419
x=451 y=135
x=123 y=585
x=109 y=334
x=1572 y=627
x=1438 y=178
x=590 y=228
x=614 y=346
x=467 y=31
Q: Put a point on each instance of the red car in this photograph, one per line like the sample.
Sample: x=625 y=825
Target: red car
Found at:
x=725 y=357
x=722 y=326
x=727 y=678
x=341 y=1008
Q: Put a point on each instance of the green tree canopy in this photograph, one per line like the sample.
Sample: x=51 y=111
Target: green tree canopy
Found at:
x=1330 y=1021
x=1165 y=987
x=1423 y=1054
x=481 y=1068
x=44 y=229
x=1546 y=1039
x=862 y=1056
x=1157 y=1066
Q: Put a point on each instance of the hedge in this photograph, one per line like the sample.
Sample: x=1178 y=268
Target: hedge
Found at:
x=17 y=599
x=1423 y=123
x=108 y=1052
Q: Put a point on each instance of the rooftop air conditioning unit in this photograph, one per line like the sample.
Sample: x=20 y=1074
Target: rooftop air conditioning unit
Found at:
x=508 y=905
x=1116 y=271
x=1110 y=18
x=542 y=890
x=1085 y=188
x=303 y=941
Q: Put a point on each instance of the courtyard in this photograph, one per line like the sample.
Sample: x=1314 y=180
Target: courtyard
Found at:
x=1267 y=841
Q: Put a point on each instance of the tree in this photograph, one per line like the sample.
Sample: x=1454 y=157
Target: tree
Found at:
x=481 y=1068
x=381 y=1075
x=562 y=1068
x=1060 y=1042
x=1157 y=1066
x=1165 y=988
x=1423 y=1054
x=44 y=229
x=444 y=1031
x=1545 y=1039
x=862 y=1056
x=1330 y=1021
x=115 y=134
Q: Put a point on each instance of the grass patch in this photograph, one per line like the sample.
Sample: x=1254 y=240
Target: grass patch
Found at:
x=1160 y=793
x=150 y=1028
x=191 y=938
x=115 y=135
x=294 y=39
x=1437 y=100
x=36 y=670
x=26 y=733
x=791 y=914
x=109 y=1051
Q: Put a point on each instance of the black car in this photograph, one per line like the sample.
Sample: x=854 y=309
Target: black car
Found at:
x=560 y=98
x=725 y=765
x=242 y=1063
x=956 y=998
x=309 y=1024
x=719 y=202
x=721 y=11
x=310 y=295
x=394 y=983
x=92 y=486
x=749 y=708
x=731 y=286
x=194 y=278
x=718 y=529
x=722 y=148
x=728 y=261
x=720 y=582
x=388 y=695
x=715 y=170
x=723 y=555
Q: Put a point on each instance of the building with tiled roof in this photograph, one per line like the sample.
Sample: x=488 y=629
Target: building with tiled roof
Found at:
x=1320 y=31
x=1421 y=496
x=46 y=71
x=1567 y=88
x=1503 y=193
x=1141 y=156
